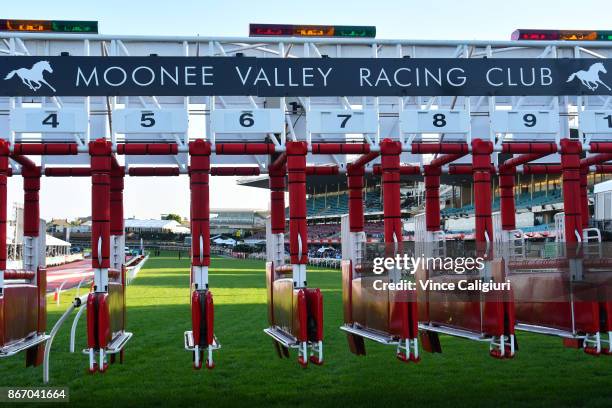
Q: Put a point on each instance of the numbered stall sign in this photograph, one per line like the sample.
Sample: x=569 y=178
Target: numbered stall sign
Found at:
x=434 y=121
x=35 y=120
x=150 y=120
x=248 y=120
x=525 y=121
x=343 y=121
x=592 y=121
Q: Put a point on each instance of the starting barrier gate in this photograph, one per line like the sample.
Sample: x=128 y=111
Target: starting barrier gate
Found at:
x=108 y=106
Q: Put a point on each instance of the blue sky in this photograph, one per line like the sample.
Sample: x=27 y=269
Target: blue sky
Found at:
x=440 y=19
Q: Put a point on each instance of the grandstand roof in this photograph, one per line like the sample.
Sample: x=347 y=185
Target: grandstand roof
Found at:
x=161 y=224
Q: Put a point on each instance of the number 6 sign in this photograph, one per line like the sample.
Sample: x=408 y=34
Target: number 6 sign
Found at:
x=150 y=120
x=248 y=120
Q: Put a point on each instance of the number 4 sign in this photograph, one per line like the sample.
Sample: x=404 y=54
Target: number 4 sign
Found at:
x=36 y=120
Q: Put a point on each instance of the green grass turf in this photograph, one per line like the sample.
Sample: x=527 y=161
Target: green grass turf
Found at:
x=158 y=371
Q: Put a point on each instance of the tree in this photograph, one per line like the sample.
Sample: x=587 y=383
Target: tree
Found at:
x=174 y=217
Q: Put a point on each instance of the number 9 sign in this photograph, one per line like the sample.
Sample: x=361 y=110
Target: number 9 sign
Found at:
x=525 y=121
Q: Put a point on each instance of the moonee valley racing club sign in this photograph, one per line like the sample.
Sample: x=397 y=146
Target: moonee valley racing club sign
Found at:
x=185 y=76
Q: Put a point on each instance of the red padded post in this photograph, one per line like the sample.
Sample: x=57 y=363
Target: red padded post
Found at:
x=31 y=208
x=432 y=197
x=296 y=170
x=355 y=205
x=277 y=198
x=116 y=200
x=101 y=159
x=570 y=170
x=584 y=198
x=506 y=198
x=200 y=201
x=481 y=168
x=390 y=163
x=4 y=170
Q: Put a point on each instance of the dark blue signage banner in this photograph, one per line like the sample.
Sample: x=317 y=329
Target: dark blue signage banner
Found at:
x=192 y=76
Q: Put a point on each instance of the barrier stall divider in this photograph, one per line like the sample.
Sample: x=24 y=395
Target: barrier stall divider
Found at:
x=295 y=311
x=201 y=338
x=106 y=333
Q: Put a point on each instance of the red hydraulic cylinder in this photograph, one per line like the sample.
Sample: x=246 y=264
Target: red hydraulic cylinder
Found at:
x=432 y=197
x=542 y=169
x=603 y=168
x=277 y=199
x=100 y=152
x=4 y=168
x=390 y=152
x=365 y=159
x=355 y=205
x=433 y=148
x=296 y=176
x=47 y=149
x=543 y=148
x=481 y=167
x=235 y=171
x=200 y=202
x=406 y=170
x=570 y=166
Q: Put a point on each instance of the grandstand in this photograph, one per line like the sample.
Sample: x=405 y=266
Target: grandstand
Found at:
x=328 y=200
x=244 y=222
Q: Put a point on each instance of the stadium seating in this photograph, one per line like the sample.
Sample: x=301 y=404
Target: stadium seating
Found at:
x=521 y=201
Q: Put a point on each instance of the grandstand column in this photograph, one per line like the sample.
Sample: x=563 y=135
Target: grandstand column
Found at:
x=298 y=234
x=116 y=220
x=570 y=168
x=432 y=197
x=481 y=168
x=390 y=163
x=506 y=198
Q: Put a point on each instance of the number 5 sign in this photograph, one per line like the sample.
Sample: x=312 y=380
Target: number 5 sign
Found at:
x=150 y=120
x=434 y=121
x=248 y=120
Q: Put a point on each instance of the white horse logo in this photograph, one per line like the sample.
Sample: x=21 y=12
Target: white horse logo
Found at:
x=590 y=77
x=33 y=77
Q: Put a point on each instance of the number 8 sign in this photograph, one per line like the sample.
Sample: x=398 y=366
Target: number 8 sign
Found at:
x=434 y=121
